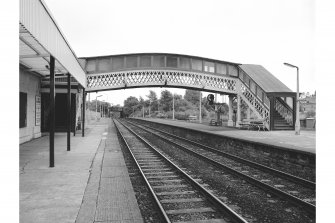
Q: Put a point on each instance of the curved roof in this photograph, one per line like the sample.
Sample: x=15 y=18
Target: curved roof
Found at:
x=157 y=53
x=267 y=81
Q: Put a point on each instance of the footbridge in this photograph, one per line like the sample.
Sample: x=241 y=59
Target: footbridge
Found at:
x=266 y=96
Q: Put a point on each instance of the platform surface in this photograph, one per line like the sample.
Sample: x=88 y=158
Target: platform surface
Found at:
x=90 y=183
x=287 y=139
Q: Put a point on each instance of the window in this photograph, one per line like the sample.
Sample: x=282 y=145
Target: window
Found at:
x=90 y=66
x=209 y=67
x=104 y=65
x=253 y=87
x=171 y=61
x=196 y=64
x=242 y=75
x=266 y=101
x=259 y=93
x=246 y=79
x=221 y=68
x=158 y=61
x=184 y=63
x=23 y=109
x=118 y=63
x=232 y=70
x=145 y=61
x=131 y=61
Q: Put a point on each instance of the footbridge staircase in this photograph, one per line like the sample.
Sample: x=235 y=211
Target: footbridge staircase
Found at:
x=266 y=96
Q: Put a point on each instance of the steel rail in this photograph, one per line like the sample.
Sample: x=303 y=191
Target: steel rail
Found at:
x=162 y=211
x=309 y=207
x=295 y=179
x=216 y=201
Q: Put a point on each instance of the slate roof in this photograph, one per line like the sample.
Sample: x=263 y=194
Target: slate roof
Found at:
x=267 y=81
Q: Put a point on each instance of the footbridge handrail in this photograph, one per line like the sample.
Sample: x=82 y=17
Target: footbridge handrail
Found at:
x=161 y=78
x=260 y=108
x=284 y=110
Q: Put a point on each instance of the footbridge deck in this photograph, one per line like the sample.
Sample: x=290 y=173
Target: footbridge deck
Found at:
x=267 y=97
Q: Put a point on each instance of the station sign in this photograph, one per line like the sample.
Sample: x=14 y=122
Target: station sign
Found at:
x=37 y=110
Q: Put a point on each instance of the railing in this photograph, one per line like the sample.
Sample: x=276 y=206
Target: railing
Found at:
x=255 y=104
x=284 y=110
x=172 y=78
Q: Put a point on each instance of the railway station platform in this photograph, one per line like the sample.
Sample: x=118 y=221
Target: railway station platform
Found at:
x=305 y=142
x=89 y=184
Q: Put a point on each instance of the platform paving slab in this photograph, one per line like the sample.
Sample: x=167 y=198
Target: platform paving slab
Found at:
x=306 y=141
x=55 y=194
x=60 y=194
x=115 y=199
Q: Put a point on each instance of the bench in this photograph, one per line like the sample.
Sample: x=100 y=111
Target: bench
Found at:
x=244 y=124
x=252 y=123
x=192 y=118
x=257 y=124
x=215 y=122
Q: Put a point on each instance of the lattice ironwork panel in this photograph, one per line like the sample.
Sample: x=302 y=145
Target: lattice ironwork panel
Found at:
x=117 y=80
x=255 y=103
x=103 y=81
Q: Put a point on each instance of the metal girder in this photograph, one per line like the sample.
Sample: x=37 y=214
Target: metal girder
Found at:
x=34 y=55
x=175 y=78
x=160 y=78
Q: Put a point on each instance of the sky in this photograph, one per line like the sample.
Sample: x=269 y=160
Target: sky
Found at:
x=266 y=32
x=262 y=32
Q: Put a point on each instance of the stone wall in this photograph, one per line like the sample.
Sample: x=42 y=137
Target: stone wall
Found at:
x=296 y=162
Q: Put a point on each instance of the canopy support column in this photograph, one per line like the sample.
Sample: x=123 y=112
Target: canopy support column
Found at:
x=248 y=113
x=83 y=116
x=238 y=114
x=200 y=118
x=272 y=110
x=52 y=113
x=69 y=119
x=230 y=112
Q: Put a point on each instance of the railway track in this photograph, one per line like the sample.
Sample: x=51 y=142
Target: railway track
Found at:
x=294 y=189
x=179 y=197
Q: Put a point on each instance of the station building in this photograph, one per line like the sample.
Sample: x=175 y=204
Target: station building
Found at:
x=47 y=64
x=53 y=80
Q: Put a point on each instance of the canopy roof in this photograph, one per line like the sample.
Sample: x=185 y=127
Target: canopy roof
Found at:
x=40 y=37
x=267 y=81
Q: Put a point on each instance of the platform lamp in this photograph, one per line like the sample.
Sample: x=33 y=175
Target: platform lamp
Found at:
x=96 y=107
x=103 y=108
x=297 y=119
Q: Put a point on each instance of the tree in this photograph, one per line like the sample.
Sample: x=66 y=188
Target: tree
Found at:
x=91 y=105
x=153 y=100
x=206 y=105
x=192 y=96
x=129 y=105
x=166 y=100
x=183 y=105
x=141 y=102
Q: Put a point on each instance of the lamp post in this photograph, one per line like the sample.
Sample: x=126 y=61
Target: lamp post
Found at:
x=297 y=119
x=96 y=106
x=103 y=109
x=172 y=106
x=200 y=118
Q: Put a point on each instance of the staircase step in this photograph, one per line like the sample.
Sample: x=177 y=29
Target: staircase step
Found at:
x=280 y=120
x=283 y=128
x=282 y=124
